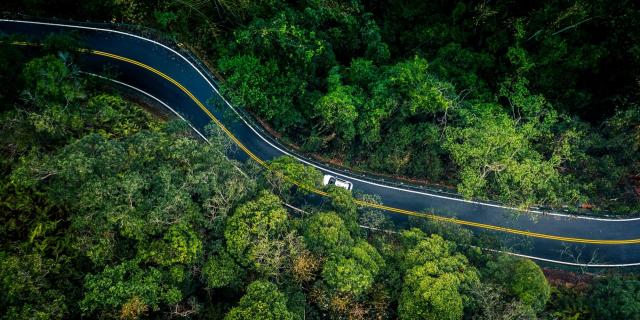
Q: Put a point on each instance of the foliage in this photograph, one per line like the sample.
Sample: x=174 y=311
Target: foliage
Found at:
x=437 y=280
x=326 y=233
x=106 y=212
x=284 y=170
x=179 y=244
x=262 y=301
x=354 y=272
x=496 y=157
x=252 y=227
x=120 y=285
x=409 y=89
x=523 y=278
x=29 y=288
x=222 y=271
x=616 y=298
x=492 y=302
x=255 y=84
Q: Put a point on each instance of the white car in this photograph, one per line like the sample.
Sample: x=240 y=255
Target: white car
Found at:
x=329 y=179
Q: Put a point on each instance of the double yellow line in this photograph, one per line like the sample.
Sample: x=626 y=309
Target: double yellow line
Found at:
x=358 y=202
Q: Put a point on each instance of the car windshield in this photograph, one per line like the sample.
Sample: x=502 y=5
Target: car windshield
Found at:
x=332 y=180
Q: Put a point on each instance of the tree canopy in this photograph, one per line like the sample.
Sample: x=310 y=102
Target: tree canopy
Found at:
x=262 y=301
x=107 y=211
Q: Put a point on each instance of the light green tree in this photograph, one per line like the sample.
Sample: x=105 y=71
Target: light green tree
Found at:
x=496 y=157
x=354 y=272
x=437 y=280
x=180 y=244
x=151 y=187
x=326 y=233
x=255 y=231
x=124 y=285
x=343 y=204
x=262 y=301
x=523 y=278
x=427 y=297
x=286 y=170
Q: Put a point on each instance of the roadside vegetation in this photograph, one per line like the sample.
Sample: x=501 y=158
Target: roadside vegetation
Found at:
x=108 y=213
x=526 y=104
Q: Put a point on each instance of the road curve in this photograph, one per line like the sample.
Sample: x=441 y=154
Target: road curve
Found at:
x=175 y=80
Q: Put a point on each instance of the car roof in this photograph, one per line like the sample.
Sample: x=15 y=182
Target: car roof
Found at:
x=342 y=183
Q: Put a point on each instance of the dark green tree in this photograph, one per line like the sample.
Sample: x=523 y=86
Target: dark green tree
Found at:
x=616 y=297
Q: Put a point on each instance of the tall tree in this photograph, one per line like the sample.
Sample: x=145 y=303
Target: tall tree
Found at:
x=263 y=301
x=354 y=272
x=128 y=288
x=523 y=278
x=616 y=298
x=257 y=235
x=437 y=280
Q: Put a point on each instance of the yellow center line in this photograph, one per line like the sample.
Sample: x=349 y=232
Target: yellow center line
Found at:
x=325 y=194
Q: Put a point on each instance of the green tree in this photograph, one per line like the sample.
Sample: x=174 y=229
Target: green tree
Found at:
x=338 y=111
x=254 y=231
x=437 y=280
x=222 y=271
x=496 y=157
x=523 y=279
x=300 y=50
x=113 y=116
x=286 y=170
x=180 y=244
x=164 y=19
x=464 y=67
x=492 y=302
x=326 y=233
x=411 y=90
x=343 y=203
x=28 y=287
x=402 y=152
x=362 y=73
x=354 y=272
x=119 y=287
x=428 y=297
x=136 y=189
x=616 y=298
x=50 y=80
x=263 y=88
x=402 y=122
x=263 y=301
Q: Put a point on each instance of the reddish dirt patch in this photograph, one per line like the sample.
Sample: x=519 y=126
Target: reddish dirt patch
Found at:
x=568 y=279
x=586 y=206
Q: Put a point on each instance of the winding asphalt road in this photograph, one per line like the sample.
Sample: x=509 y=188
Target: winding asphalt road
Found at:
x=177 y=80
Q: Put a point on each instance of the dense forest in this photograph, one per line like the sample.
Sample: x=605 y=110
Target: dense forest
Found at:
x=109 y=212
x=525 y=103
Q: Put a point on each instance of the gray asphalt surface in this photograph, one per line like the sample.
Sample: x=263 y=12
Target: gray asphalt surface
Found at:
x=175 y=66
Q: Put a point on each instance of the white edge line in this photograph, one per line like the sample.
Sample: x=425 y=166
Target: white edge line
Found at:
x=520 y=255
x=303 y=160
x=150 y=96
x=566 y=263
